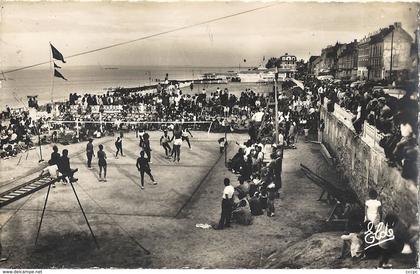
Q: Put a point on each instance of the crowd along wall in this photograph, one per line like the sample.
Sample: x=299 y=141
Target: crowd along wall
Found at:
x=363 y=166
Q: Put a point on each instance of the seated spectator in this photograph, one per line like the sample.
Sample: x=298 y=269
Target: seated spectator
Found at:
x=354 y=241
x=237 y=162
x=51 y=171
x=55 y=157
x=243 y=187
x=253 y=185
x=242 y=213
x=65 y=169
x=263 y=198
x=255 y=205
x=391 y=247
x=405 y=152
x=371 y=249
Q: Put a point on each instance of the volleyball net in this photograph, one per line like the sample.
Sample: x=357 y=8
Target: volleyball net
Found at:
x=214 y=125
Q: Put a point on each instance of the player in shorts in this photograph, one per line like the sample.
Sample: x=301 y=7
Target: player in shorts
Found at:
x=146 y=147
x=143 y=167
x=141 y=135
x=185 y=132
x=102 y=163
x=164 y=142
x=177 y=138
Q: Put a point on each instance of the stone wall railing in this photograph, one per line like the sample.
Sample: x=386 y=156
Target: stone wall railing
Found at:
x=370 y=134
x=363 y=164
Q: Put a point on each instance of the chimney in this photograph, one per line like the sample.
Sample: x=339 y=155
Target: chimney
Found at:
x=397 y=25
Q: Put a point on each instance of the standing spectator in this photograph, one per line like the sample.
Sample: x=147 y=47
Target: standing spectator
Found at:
x=320 y=130
x=271 y=189
x=102 y=163
x=227 y=204
x=373 y=210
x=281 y=138
x=275 y=168
x=222 y=144
x=89 y=153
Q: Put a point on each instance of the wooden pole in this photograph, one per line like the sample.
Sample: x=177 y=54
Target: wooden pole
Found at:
x=84 y=215
x=52 y=82
x=77 y=128
x=390 y=63
x=42 y=215
x=225 y=145
x=276 y=111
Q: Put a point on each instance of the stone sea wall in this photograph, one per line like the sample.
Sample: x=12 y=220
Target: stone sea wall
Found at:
x=362 y=164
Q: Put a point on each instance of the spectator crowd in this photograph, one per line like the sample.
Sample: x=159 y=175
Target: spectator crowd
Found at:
x=395 y=118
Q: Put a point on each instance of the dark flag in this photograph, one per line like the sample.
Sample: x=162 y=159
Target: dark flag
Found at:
x=56 y=54
x=58 y=74
x=56 y=66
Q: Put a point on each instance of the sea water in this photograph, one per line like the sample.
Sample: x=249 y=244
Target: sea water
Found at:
x=89 y=79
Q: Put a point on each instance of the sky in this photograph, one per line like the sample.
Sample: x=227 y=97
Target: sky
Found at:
x=301 y=29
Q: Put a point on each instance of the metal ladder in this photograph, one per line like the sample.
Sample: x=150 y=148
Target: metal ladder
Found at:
x=25 y=189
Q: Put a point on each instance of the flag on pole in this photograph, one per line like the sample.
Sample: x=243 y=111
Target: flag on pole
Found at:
x=56 y=54
x=56 y=66
x=58 y=74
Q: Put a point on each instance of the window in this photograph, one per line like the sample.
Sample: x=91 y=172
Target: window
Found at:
x=395 y=61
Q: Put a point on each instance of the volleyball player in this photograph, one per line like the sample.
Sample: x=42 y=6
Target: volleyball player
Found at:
x=102 y=163
x=177 y=137
x=142 y=165
x=118 y=146
x=146 y=147
x=141 y=133
x=164 y=142
x=185 y=132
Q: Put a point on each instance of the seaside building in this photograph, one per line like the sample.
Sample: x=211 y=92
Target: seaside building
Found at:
x=220 y=76
x=258 y=75
x=347 y=61
x=311 y=64
x=389 y=56
x=317 y=66
x=363 y=49
x=329 y=60
x=287 y=65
